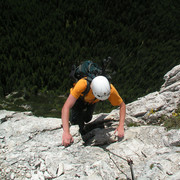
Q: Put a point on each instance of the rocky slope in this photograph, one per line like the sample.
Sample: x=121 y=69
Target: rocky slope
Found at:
x=30 y=147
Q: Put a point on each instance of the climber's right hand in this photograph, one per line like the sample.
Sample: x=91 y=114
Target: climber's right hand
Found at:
x=67 y=139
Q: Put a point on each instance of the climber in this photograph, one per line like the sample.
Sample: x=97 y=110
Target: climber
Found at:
x=82 y=107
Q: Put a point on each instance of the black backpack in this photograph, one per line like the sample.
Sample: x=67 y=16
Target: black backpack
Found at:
x=89 y=70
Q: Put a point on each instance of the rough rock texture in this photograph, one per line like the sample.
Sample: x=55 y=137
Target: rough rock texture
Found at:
x=30 y=147
x=149 y=108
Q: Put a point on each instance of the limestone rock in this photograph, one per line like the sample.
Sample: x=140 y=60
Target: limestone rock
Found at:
x=171 y=77
x=30 y=147
x=153 y=149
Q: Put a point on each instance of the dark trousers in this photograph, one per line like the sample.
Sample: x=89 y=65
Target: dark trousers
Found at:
x=81 y=112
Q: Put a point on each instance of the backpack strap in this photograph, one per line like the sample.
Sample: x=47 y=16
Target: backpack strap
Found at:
x=88 y=87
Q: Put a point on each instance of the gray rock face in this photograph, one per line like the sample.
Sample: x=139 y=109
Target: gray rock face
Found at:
x=149 y=108
x=30 y=147
x=172 y=77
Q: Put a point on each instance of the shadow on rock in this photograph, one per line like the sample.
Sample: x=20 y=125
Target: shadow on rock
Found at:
x=99 y=132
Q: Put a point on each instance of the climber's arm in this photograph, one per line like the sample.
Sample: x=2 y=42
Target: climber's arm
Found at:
x=120 y=128
x=67 y=138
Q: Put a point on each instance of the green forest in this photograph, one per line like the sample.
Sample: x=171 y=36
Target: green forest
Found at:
x=40 y=40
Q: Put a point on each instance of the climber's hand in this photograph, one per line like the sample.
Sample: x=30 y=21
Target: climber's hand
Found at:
x=67 y=139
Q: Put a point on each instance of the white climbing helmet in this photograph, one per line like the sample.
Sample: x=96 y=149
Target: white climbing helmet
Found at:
x=101 y=88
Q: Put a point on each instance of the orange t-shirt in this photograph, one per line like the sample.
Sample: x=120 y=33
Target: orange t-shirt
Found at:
x=80 y=87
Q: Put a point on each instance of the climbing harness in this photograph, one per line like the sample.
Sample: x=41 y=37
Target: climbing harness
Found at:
x=129 y=161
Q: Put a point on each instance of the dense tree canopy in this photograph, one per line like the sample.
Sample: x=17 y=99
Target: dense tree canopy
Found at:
x=41 y=39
